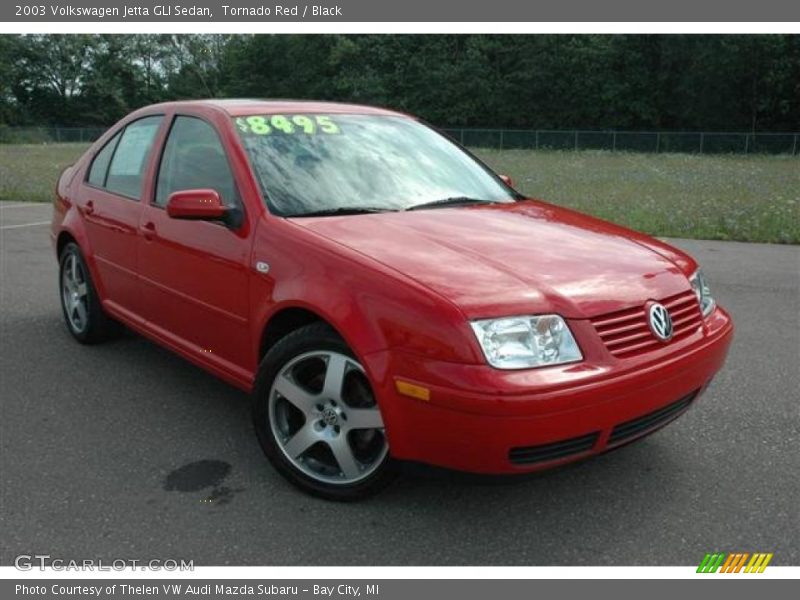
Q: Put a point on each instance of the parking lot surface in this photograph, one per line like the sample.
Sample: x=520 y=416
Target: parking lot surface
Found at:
x=124 y=450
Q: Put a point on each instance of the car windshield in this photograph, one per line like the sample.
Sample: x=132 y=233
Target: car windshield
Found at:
x=345 y=164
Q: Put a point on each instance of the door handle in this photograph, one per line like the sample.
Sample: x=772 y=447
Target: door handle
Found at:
x=149 y=230
x=89 y=208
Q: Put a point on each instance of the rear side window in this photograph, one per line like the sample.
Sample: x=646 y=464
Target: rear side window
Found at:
x=194 y=158
x=126 y=172
x=97 y=174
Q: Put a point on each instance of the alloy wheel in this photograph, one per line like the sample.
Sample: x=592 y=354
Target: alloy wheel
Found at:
x=74 y=293
x=324 y=418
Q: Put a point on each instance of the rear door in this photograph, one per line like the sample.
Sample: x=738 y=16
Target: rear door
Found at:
x=194 y=273
x=111 y=204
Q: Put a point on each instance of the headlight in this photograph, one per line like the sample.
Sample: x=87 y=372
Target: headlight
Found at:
x=703 y=292
x=523 y=342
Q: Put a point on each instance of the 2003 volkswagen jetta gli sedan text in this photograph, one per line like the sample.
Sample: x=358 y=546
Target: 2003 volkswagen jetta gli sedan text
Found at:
x=383 y=294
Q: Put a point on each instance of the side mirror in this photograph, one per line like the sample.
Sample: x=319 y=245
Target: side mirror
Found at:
x=201 y=204
x=507 y=180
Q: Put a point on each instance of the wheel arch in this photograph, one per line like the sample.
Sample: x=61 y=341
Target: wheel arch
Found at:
x=291 y=316
x=64 y=238
x=284 y=321
x=71 y=230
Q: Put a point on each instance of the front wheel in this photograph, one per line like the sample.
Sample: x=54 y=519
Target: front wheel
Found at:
x=317 y=419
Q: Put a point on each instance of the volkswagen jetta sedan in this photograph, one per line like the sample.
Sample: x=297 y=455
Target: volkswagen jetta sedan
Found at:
x=382 y=293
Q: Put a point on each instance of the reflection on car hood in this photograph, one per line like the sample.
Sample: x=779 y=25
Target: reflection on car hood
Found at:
x=520 y=258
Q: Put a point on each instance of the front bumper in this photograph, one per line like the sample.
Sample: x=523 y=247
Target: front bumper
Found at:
x=484 y=420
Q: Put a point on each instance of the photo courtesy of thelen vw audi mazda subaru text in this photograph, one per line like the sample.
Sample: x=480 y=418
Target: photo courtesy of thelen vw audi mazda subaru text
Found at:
x=383 y=295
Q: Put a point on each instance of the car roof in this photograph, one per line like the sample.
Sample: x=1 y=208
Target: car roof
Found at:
x=246 y=106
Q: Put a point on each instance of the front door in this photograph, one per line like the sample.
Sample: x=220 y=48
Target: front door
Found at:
x=194 y=273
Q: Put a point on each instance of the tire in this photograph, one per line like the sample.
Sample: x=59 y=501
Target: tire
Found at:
x=80 y=304
x=317 y=419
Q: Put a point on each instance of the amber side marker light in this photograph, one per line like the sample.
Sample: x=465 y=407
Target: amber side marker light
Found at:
x=412 y=390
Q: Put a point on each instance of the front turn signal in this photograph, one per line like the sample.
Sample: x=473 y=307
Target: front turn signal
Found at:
x=412 y=390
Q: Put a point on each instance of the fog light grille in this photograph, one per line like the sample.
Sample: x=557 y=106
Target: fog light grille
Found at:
x=527 y=455
x=653 y=420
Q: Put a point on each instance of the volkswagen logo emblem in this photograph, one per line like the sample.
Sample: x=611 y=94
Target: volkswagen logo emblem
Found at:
x=660 y=321
x=329 y=416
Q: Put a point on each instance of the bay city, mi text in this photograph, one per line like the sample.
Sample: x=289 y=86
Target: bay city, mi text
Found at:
x=177 y=589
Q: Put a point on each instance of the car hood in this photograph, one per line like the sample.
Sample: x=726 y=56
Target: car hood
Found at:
x=525 y=257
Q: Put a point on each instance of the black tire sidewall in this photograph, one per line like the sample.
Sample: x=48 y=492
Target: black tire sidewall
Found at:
x=310 y=338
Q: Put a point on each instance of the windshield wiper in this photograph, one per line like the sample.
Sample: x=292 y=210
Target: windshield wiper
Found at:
x=451 y=201
x=341 y=210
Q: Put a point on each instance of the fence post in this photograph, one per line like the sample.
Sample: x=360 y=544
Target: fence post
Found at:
x=461 y=136
x=794 y=145
x=614 y=142
x=537 y=139
x=702 y=135
x=746 y=143
x=658 y=142
x=576 y=139
x=501 y=139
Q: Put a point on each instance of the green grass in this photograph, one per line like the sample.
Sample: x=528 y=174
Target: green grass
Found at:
x=747 y=198
x=720 y=197
x=28 y=172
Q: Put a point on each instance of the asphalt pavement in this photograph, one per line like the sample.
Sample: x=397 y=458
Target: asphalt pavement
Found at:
x=124 y=450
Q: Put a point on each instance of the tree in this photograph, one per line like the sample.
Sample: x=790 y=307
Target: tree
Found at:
x=691 y=82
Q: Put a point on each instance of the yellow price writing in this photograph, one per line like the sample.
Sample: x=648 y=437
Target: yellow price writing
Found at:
x=269 y=124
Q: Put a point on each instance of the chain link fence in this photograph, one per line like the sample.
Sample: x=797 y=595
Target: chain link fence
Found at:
x=523 y=139
x=49 y=135
x=629 y=141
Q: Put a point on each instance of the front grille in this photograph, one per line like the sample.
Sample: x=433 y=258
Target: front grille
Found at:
x=627 y=332
x=535 y=454
x=658 y=418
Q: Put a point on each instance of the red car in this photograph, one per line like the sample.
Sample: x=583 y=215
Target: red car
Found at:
x=381 y=292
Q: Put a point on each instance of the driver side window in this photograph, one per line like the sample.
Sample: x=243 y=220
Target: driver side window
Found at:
x=194 y=158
